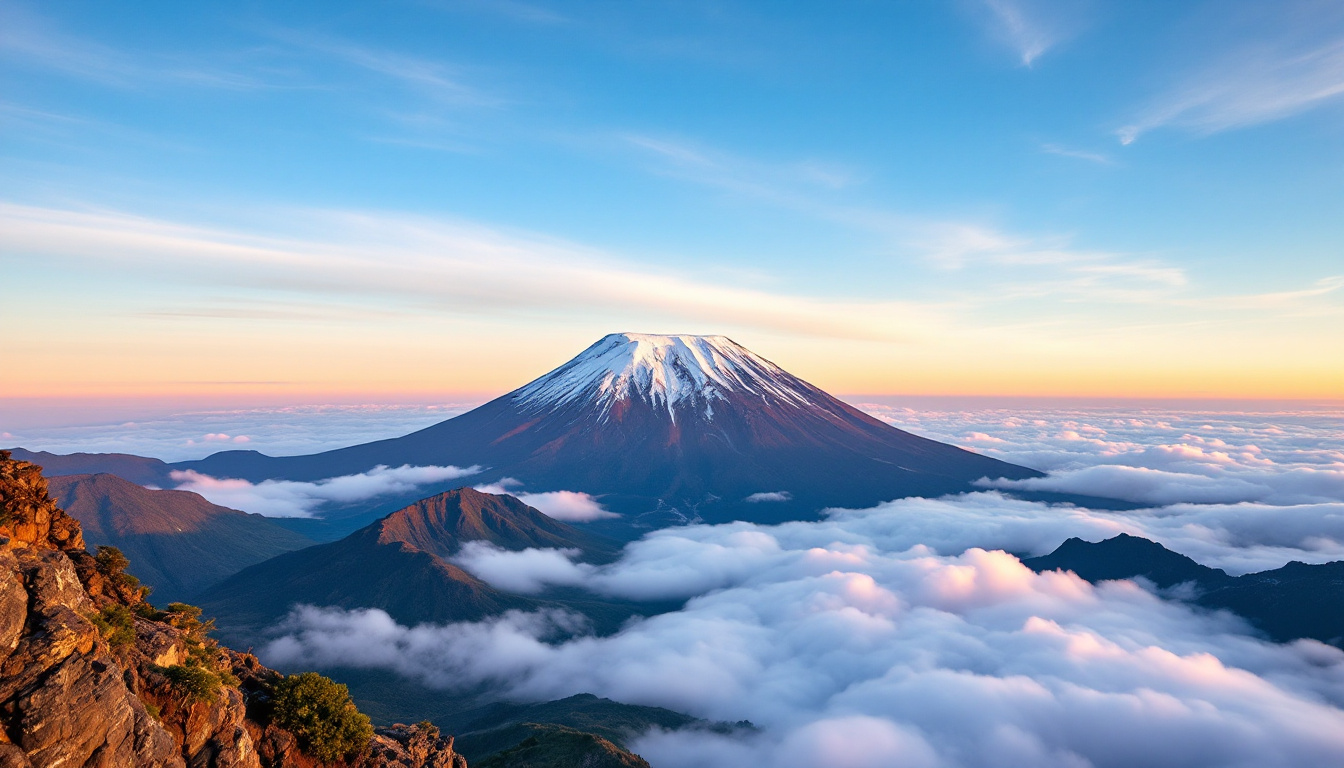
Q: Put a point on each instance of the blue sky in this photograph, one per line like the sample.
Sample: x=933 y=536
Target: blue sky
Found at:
x=978 y=196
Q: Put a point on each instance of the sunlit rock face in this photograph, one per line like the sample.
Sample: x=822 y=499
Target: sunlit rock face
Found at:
x=74 y=691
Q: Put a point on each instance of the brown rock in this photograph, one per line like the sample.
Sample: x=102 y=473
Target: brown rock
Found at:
x=411 y=746
x=13 y=757
x=13 y=605
x=29 y=518
x=69 y=699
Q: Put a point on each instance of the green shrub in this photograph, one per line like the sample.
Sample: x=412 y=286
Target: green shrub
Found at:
x=194 y=683
x=110 y=560
x=112 y=563
x=320 y=713
x=115 y=623
x=188 y=618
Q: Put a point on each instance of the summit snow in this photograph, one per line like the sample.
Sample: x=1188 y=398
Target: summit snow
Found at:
x=666 y=371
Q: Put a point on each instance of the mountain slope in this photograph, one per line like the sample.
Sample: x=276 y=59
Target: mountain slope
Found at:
x=672 y=428
x=500 y=726
x=397 y=564
x=140 y=470
x=1295 y=601
x=178 y=542
x=1125 y=557
x=440 y=525
x=556 y=746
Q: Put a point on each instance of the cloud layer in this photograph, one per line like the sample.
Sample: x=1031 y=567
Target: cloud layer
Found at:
x=289 y=498
x=905 y=634
x=851 y=655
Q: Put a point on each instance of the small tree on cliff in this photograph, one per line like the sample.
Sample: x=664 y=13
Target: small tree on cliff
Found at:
x=319 y=712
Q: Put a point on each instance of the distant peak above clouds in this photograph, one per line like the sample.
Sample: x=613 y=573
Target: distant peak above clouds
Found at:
x=666 y=371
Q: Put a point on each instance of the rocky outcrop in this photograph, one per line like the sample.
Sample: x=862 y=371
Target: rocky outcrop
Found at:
x=64 y=698
x=92 y=675
x=29 y=517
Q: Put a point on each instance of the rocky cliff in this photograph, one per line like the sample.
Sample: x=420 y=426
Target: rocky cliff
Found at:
x=93 y=675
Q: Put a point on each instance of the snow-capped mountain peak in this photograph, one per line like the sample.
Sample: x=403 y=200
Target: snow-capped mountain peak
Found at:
x=667 y=371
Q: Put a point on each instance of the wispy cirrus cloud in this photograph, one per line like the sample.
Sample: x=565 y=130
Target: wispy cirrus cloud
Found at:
x=1024 y=33
x=438 y=80
x=1078 y=154
x=1031 y=27
x=1070 y=271
x=1255 y=84
x=447 y=266
x=28 y=38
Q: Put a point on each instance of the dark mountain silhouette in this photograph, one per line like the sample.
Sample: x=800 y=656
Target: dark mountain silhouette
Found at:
x=502 y=726
x=1295 y=601
x=178 y=542
x=140 y=470
x=398 y=565
x=669 y=428
x=1125 y=557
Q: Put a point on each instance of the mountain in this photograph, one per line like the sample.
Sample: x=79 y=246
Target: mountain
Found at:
x=557 y=746
x=666 y=429
x=92 y=675
x=140 y=470
x=502 y=726
x=398 y=565
x=1288 y=603
x=1126 y=557
x=177 y=542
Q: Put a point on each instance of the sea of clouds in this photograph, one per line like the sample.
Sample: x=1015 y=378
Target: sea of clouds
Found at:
x=186 y=435
x=907 y=635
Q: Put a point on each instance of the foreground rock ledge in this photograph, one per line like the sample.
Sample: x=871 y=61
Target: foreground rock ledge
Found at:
x=74 y=693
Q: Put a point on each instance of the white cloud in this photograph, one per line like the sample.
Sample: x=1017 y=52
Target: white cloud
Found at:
x=221 y=437
x=1077 y=154
x=1150 y=486
x=897 y=633
x=290 y=498
x=1020 y=27
x=1255 y=85
x=526 y=572
x=769 y=496
x=566 y=506
x=170 y=435
x=853 y=655
x=451 y=265
x=1160 y=488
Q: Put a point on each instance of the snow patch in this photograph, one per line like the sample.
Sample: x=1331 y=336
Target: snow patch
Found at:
x=665 y=371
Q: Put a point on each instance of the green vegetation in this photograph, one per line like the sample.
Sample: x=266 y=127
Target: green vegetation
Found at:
x=112 y=564
x=194 y=683
x=110 y=560
x=320 y=713
x=116 y=624
x=200 y=677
